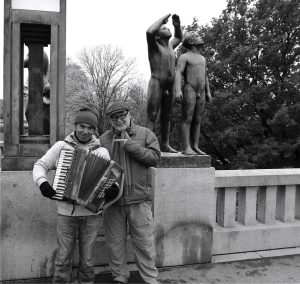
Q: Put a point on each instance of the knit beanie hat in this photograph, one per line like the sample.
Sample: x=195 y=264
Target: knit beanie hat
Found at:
x=87 y=114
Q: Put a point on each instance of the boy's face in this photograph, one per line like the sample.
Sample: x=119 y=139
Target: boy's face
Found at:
x=193 y=38
x=196 y=39
x=84 y=131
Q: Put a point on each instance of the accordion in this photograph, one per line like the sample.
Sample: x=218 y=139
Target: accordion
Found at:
x=84 y=177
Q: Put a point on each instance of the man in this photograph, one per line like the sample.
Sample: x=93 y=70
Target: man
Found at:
x=73 y=219
x=136 y=148
x=196 y=92
x=162 y=65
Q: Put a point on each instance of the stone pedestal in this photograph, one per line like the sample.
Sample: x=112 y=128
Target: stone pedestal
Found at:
x=183 y=209
x=26 y=26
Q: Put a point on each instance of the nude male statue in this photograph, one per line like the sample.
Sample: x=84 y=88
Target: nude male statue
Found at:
x=162 y=65
x=192 y=67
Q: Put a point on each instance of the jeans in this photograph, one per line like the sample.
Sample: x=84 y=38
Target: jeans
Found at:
x=68 y=228
x=138 y=216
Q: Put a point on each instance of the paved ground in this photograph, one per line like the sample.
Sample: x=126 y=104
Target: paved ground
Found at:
x=271 y=270
x=267 y=270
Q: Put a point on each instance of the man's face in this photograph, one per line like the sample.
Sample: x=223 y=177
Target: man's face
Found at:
x=120 y=120
x=84 y=131
x=164 y=32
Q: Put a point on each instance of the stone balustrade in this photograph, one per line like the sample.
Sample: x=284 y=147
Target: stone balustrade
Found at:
x=199 y=213
x=256 y=210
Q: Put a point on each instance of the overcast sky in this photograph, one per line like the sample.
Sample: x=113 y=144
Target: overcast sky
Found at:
x=124 y=24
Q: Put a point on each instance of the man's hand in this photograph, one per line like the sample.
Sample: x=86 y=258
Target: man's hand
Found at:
x=112 y=192
x=176 y=20
x=124 y=137
x=46 y=189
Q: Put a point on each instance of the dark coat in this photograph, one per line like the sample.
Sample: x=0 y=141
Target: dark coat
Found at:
x=139 y=153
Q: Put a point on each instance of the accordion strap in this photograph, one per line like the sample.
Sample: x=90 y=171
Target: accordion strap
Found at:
x=74 y=145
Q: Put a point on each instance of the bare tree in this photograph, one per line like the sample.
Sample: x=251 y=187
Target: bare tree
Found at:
x=109 y=74
x=77 y=92
x=137 y=98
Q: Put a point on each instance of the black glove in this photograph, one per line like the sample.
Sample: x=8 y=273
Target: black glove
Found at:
x=112 y=192
x=46 y=189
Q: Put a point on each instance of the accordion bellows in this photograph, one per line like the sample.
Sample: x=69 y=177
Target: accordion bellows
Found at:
x=83 y=177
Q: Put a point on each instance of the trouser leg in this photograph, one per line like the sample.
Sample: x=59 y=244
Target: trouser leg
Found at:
x=66 y=237
x=87 y=235
x=142 y=236
x=115 y=225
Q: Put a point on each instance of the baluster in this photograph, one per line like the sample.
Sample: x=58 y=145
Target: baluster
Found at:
x=297 y=203
x=247 y=205
x=266 y=210
x=226 y=207
x=216 y=203
x=286 y=197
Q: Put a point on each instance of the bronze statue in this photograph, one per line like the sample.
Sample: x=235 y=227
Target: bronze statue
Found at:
x=162 y=65
x=46 y=95
x=191 y=67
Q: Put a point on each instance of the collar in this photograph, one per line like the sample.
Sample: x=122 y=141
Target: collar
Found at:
x=84 y=143
x=71 y=139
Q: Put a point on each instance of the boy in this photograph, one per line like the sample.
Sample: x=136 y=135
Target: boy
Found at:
x=192 y=67
x=73 y=219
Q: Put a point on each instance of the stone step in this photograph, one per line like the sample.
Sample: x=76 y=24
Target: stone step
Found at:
x=255 y=255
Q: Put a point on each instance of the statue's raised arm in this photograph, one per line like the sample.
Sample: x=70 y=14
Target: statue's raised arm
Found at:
x=162 y=65
x=154 y=28
x=176 y=40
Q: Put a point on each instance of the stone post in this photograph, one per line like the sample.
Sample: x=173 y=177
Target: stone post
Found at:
x=184 y=209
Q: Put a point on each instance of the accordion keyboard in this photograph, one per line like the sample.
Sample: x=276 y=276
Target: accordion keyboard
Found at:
x=63 y=164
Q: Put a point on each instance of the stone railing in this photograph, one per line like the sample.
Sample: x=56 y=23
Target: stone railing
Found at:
x=256 y=210
x=199 y=214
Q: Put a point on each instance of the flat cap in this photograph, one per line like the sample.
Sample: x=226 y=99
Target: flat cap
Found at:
x=116 y=107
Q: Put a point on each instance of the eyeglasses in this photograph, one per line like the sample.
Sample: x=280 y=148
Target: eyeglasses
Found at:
x=121 y=116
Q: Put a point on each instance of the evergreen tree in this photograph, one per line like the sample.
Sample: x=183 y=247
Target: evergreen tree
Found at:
x=253 y=56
